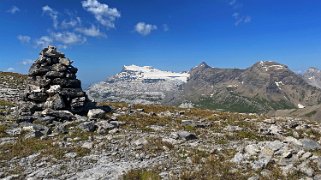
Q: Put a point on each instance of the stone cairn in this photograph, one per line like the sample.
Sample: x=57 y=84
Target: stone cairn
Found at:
x=53 y=91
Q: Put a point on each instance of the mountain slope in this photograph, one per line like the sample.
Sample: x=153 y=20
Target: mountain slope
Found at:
x=135 y=84
x=313 y=77
x=262 y=87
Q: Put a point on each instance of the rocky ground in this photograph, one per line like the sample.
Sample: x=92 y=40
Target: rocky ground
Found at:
x=159 y=142
x=11 y=84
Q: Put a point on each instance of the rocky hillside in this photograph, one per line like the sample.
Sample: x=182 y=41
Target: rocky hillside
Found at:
x=11 y=84
x=135 y=84
x=262 y=87
x=159 y=142
x=313 y=77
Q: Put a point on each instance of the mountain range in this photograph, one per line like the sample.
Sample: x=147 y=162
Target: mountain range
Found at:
x=263 y=87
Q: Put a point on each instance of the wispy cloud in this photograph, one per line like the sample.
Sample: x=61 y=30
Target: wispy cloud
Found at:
x=13 y=10
x=10 y=69
x=71 y=23
x=68 y=38
x=239 y=18
x=144 y=29
x=27 y=62
x=92 y=31
x=102 y=12
x=43 y=41
x=24 y=38
x=52 y=13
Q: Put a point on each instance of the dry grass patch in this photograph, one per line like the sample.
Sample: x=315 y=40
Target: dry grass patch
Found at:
x=141 y=174
x=6 y=103
x=215 y=167
x=114 y=105
x=141 y=121
x=3 y=129
x=156 y=145
x=23 y=148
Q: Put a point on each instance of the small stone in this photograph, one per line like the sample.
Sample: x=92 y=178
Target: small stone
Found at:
x=70 y=155
x=88 y=145
x=306 y=156
x=53 y=89
x=251 y=149
x=64 y=61
x=187 y=122
x=96 y=113
x=269 y=121
x=275 y=145
x=88 y=126
x=309 y=144
x=293 y=140
x=186 y=135
x=230 y=128
x=113 y=131
x=14 y=131
x=304 y=168
x=238 y=158
x=139 y=142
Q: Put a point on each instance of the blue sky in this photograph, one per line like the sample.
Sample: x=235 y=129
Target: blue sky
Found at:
x=103 y=35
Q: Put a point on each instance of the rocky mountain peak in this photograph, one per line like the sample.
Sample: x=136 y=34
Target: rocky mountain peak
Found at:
x=203 y=65
x=313 y=76
x=269 y=66
x=313 y=70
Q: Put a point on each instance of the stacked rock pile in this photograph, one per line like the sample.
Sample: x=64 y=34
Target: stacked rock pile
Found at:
x=53 y=91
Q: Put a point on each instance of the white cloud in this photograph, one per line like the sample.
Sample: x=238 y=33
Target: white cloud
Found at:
x=44 y=41
x=92 y=31
x=52 y=13
x=13 y=10
x=102 y=12
x=10 y=69
x=71 y=23
x=144 y=29
x=68 y=38
x=165 y=27
x=27 y=62
x=239 y=19
x=24 y=39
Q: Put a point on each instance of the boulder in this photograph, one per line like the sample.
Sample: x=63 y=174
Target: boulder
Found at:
x=96 y=113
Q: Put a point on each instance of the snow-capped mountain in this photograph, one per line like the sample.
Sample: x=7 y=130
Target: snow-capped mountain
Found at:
x=313 y=77
x=149 y=73
x=139 y=84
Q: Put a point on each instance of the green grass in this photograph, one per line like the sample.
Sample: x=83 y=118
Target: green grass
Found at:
x=236 y=103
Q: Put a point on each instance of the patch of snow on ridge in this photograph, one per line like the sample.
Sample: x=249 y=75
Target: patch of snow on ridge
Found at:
x=300 y=106
x=265 y=65
x=150 y=73
x=278 y=84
